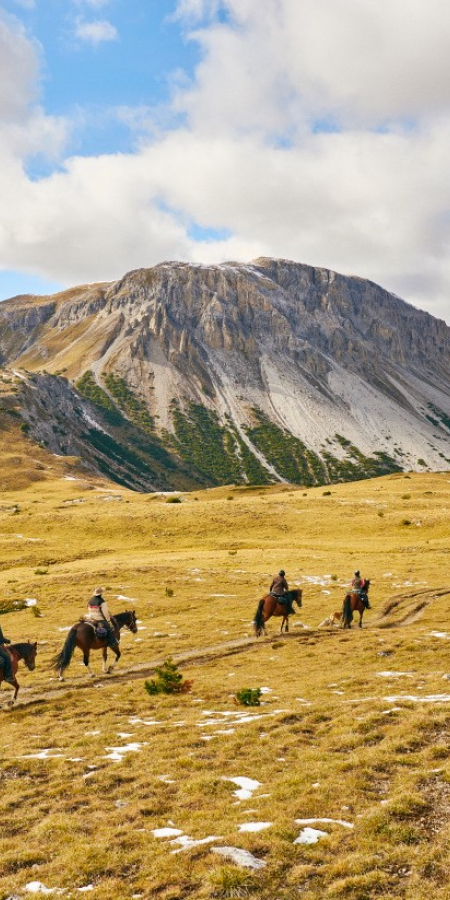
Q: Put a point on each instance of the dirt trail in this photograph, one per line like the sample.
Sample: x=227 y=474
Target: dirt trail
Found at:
x=29 y=696
x=404 y=609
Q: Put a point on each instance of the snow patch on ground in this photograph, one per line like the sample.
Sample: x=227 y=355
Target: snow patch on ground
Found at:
x=430 y=698
x=310 y=836
x=395 y=674
x=241 y=857
x=166 y=832
x=246 y=787
x=325 y=820
x=117 y=753
x=254 y=826
x=47 y=753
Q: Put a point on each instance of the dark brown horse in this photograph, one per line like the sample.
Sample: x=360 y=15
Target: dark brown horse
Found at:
x=83 y=635
x=353 y=603
x=27 y=652
x=270 y=606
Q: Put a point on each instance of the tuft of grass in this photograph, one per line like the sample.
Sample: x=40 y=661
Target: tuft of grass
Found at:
x=228 y=882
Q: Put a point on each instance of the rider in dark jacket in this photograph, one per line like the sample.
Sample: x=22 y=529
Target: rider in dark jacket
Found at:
x=280 y=589
x=98 y=612
x=5 y=659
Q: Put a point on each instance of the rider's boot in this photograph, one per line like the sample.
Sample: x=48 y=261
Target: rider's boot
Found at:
x=8 y=674
x=7 y=668
x=111 y=638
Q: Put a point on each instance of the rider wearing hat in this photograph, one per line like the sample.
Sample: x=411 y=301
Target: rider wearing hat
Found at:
x=98 y=612
x=279 y=589
x=5 y=659
x=358 y=586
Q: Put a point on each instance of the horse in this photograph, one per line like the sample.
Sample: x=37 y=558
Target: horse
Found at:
x=353 y=603
x=270 y=606
x=84 y=636
x=25 y=651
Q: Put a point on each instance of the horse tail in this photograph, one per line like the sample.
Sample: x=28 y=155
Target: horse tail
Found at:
x=62 y=660
x=347 y=614
x=258 y=621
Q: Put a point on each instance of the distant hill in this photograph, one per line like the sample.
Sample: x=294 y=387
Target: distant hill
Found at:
x=183 y=376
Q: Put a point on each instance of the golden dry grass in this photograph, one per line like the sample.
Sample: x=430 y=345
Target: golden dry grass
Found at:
x=336 y=737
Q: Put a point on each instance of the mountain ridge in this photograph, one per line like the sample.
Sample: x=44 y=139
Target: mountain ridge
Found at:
x=261 y=358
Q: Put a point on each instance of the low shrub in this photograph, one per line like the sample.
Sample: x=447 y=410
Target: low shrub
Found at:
x=249 y=697
x=168 y=680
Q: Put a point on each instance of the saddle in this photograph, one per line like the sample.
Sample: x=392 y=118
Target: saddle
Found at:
x=100 y=630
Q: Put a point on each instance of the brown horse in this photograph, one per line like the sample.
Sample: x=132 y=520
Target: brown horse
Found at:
x=270 y=606
x=83 y=635
x=25 y=651
x=353 y=603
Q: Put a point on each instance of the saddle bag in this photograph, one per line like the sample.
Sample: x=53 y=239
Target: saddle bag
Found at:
x=101 y=631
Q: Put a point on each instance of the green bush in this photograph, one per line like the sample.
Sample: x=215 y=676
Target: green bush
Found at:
x=249 y=697
x=168 y=680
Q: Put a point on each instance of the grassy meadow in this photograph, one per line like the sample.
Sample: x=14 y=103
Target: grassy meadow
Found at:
x=108 y=791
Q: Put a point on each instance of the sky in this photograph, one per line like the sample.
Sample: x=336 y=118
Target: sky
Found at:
x=138 y=131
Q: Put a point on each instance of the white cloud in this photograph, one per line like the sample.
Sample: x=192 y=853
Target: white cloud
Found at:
x=96 y=32
x=26 y=4
x=313 y=131
x=91 y=4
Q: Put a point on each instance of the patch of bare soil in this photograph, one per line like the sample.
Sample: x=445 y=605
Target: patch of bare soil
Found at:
x=437 y=795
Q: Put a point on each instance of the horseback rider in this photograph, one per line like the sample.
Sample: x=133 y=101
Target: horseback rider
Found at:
x=98 y=613
x=280 y=589
x=358 y=585
x=5 y=659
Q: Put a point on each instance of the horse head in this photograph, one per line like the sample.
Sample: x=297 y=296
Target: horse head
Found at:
x=29 y=655
x=297 y=596
x=132 y=624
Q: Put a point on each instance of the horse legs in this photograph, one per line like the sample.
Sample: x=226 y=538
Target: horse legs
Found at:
x=16 y=690
x=285 y=624
x=86 y=662
x=113 y=664
x=104 y=654
x=360 y=619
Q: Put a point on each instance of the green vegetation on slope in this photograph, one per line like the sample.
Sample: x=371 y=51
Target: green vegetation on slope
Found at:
x=218 y=451
x=88 y=387
x=134 y=409
x=289 y=456
x=356 y=466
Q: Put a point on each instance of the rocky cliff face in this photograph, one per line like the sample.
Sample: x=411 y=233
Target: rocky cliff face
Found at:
x=267 y=371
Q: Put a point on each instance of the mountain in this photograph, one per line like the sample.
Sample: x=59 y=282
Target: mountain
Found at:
x=181 y=376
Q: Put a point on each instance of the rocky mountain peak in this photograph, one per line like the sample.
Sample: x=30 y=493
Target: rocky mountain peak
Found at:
x=290 y=372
